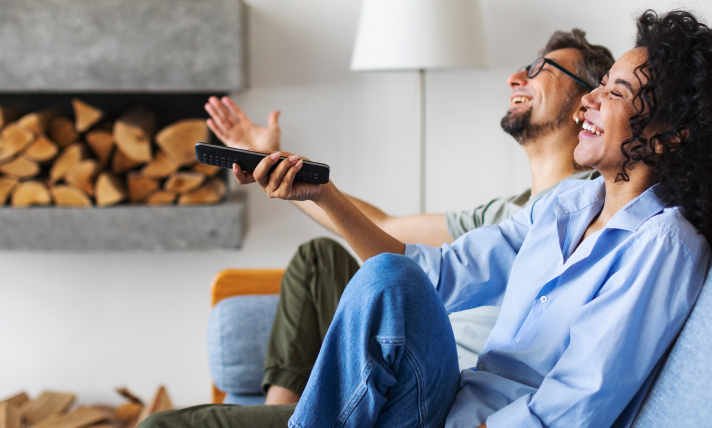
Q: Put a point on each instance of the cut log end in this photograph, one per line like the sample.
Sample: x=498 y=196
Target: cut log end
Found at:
x=41 y=150
x=20 y=167
x=62 y=132
x=160 y=167
x=101 y=143
x=161 y=197
x=14 y=139
x=184 y=182
x=85 y=115
x=140 y=186
x=108 y=190
x=70 y=156
x=133 y=132
x=30 y=193
x=69 y=196
x=82 y=175
x=178 y=140
x=213 y=191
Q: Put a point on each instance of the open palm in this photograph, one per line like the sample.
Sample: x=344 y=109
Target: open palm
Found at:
x=232 y=126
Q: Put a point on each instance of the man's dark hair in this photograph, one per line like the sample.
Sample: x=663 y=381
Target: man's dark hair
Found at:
x=595 y=60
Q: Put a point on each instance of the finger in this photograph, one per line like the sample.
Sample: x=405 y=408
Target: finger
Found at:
x=217 y=119
x=234 y=109
x=273 y=119
x=241 y=176
x=216 y=130
x=222 y=112
x=277 y=175
x=261 y=172
x=288 y=179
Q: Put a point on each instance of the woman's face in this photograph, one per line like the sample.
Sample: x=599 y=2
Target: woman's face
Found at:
x=609 y=108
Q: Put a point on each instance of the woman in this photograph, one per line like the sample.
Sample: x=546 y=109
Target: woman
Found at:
x=595 y=280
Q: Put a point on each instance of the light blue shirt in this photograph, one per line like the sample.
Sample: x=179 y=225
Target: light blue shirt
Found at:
x=580 y=328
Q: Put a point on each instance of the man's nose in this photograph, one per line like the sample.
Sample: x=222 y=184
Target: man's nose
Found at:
x=518 y=78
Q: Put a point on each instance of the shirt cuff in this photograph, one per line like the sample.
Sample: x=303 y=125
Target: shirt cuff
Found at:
x=515 y=415
x=428 y=258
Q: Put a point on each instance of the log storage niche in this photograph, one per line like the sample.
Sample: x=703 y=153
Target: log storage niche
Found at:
x=111 y=177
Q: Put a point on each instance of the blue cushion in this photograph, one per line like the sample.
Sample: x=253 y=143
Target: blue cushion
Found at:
x=238 y=329
x=681 y=396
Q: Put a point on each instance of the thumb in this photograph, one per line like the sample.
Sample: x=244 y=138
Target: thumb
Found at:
x=273 y=119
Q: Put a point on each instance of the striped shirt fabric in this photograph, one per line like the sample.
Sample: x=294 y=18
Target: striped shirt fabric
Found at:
x=580 y=327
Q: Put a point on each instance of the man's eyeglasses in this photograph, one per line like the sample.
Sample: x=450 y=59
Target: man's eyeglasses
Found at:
x=535 y=68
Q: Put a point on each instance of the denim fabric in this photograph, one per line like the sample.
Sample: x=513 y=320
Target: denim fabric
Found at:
x=237 y=329
x=389 y=358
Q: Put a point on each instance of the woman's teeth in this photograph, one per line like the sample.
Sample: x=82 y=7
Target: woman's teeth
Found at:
x=517 y=100
x=590 y=127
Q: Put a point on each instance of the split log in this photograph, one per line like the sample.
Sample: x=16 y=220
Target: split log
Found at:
x=178 y=140
x=70 y=156
x=124 y=392
x=101 y=143
x=127 y=412
x=77 y=418
x=7 y=185
x=41 y=150
x=65 y=195
x=82 y=175
x=207 y=170
x=211 y=192
x=20 y=167
x=48 y=403
x=108 y=190
x=30 y=193
x=17 y=400
x=184 y=182
x=160 y=403
x=133 y=131
x=13 y=140
x=140 y=186
x=161 y=197
x=38 y=122
x=122 y=163
x=62 y=131
x=160 y=167
x=85 y=115
x=7 y=115
x=9 y=415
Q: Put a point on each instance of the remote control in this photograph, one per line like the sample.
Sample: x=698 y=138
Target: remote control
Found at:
x=311 y=172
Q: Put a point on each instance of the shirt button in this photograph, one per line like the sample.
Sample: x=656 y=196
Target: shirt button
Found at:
x=544 y=299
x=517 y=340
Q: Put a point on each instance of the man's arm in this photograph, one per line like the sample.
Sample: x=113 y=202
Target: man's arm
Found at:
x=427 y=229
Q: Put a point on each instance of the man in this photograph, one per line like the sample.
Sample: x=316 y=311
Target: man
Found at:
x=545 y=117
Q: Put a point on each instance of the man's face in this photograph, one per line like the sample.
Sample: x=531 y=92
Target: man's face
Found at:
x=541 y=105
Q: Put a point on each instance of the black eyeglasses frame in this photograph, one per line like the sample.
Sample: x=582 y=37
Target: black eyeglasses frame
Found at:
x=561 y=68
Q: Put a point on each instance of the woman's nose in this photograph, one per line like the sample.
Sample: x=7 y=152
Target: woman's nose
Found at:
x=590 y=100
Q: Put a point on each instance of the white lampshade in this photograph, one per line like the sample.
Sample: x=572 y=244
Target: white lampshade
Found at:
x=419 y=34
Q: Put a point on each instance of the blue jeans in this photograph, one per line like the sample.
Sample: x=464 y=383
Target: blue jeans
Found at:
x=389 y=357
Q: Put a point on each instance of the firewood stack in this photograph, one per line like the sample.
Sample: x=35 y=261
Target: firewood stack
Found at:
x=55 y=410
x=48 y=159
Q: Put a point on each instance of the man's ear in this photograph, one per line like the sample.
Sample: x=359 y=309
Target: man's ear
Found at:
x=578 y=114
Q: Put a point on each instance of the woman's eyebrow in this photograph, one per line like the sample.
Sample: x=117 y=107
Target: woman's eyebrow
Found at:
x=624 y=83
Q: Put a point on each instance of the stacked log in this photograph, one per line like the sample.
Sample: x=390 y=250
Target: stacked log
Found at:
x=49 y=159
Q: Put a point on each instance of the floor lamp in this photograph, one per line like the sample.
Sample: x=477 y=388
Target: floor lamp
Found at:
x=419 y=35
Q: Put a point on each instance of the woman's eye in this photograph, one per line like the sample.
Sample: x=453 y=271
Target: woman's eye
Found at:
x=617 y=95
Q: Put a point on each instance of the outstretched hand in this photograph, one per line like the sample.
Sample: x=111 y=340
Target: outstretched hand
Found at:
x=280 y=182
x=232 y=126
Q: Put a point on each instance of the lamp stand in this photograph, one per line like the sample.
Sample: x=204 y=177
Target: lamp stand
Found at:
x=421 y=136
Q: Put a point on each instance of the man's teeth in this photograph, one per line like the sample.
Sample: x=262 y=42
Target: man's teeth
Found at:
x=517 y=100
x=590 y=127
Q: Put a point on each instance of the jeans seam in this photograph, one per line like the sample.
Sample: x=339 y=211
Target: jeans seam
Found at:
x=357 y=396
x=418 y=378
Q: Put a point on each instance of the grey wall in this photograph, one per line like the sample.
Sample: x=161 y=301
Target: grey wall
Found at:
x=90 y=322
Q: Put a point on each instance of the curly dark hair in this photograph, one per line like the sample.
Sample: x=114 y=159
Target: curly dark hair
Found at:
x=676 y=101
x=595 y=60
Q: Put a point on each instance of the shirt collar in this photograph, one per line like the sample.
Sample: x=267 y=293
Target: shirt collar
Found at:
x=630 y=217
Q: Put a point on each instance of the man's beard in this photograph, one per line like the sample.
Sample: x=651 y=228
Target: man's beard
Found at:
x=520 y=126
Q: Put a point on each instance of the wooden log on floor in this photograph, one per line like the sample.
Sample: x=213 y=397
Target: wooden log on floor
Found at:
x=16 y=400
x=101 y=143
x=9 y=415
x=184 y=182
x=140 y=186
x=213 y=191
x=206 y=170
x=161 y=402
x=29 y=193
x=20 y=167
x=38 y=122
x=85 y=115
x=124 y=392
x=82 y=175
x=48 y=403
x=159 y=167
x=14 y=139
x=7 y=115
x=77 y=418
x=178 y=140
x=133 y=132
x=121 y=163
x=161 y=197
x=70 y=156
x=108 y=190
x=128 y=412
x=7 y=185
x=41 y=150
x=66 y=195
x=62 y=132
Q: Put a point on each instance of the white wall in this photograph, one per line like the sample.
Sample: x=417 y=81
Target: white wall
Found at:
x=90 y=322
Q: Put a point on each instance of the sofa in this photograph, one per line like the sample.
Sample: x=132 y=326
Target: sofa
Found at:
x=677 y=394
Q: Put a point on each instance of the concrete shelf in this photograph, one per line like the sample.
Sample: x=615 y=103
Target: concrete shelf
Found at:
x=124 y=228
